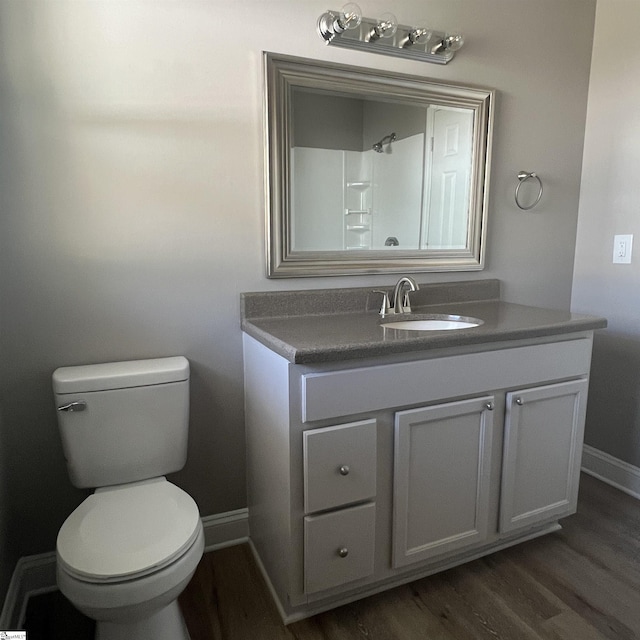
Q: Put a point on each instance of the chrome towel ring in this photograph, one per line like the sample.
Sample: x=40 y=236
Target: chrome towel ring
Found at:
x=523 y=176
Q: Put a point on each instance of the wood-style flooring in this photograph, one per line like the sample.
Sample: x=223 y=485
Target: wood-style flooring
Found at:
x=581 y=583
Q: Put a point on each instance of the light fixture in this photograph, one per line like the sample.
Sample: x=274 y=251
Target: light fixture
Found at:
x=347 y=28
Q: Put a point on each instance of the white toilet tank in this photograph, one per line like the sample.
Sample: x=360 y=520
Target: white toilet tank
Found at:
x=123 y=421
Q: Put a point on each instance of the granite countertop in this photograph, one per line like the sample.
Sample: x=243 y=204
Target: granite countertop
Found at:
x=299 y=325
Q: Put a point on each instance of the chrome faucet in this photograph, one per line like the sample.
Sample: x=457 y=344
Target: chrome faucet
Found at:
x=401 y=297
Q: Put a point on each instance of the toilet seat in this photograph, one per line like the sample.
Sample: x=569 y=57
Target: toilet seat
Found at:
x=128 y=531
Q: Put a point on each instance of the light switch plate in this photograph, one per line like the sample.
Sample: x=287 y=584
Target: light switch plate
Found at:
x=622 y=248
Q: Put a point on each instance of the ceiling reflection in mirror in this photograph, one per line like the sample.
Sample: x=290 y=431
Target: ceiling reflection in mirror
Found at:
x=373 y=173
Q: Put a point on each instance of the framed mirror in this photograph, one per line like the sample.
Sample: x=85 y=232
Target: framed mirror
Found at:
x=373 y=172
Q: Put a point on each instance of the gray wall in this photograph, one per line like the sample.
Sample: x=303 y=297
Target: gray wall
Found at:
x=323 y=121
x=384 y=118
x=609 y=205
x=132 y=146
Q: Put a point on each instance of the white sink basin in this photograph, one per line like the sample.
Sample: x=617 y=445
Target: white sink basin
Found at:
x=434 y=323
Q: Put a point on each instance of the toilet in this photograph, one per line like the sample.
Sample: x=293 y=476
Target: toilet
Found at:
x=128 y=551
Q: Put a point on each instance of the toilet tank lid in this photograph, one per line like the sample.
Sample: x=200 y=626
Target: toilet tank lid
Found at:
x=120 y=375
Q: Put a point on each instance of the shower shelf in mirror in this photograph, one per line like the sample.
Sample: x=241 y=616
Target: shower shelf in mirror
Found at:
x=358 y=221
x=358 y=201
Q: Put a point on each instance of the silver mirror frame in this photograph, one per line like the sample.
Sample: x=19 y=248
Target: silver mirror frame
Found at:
x=281 y=74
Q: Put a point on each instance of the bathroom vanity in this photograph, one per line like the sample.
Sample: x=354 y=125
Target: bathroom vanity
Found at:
x=377 y=456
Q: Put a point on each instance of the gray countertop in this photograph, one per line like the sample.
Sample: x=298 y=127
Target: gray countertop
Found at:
x=306 y=338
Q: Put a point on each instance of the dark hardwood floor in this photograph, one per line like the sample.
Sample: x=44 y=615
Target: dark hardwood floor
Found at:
x=581 y=583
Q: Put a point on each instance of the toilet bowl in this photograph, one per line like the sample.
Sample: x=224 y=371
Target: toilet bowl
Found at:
x=127 y=551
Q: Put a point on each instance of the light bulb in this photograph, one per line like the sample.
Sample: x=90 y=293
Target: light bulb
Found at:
x=386 y=27
x=417 y=35
x=453 y=41
x=331 y=25
x=350 y=18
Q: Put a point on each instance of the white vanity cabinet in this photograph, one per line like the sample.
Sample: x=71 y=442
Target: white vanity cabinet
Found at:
x=369 y=473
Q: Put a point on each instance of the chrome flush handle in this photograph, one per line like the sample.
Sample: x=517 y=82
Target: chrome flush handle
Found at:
x=80 y=405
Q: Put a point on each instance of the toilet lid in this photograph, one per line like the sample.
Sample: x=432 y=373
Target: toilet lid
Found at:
x=128 y=530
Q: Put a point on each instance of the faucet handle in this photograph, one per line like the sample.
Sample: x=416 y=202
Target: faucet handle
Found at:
x=406 y=304
x=386 y=305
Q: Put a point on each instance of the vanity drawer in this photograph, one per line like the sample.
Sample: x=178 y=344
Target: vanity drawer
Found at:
x=338 y=547
x=339 y=465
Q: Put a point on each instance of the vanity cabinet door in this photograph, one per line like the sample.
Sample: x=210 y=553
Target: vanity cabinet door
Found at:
x=544 y=427
x=441 y=478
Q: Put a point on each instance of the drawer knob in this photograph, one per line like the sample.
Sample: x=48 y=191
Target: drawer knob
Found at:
x=344 y=470
x=489 y=406
x=343 y=552
x=519 y=401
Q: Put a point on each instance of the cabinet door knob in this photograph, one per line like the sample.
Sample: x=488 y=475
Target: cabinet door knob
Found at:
x=343 y=552
x=519 y=401
x=489 y=406
x=344 y=470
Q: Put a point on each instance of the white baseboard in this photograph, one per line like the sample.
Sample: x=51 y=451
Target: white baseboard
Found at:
x=36 y=574
x=225 y=529
x=32 y=575
x=613 y=471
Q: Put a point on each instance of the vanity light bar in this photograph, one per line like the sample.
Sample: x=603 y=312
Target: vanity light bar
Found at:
x=347 y=28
